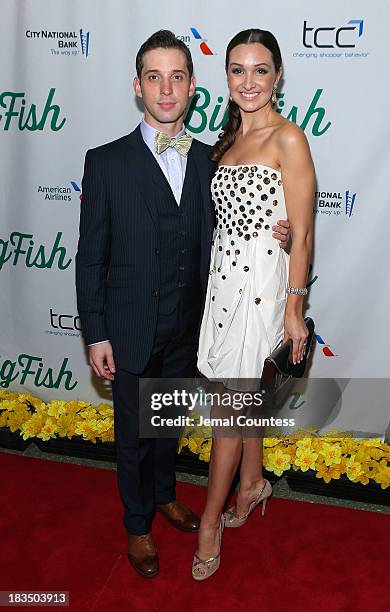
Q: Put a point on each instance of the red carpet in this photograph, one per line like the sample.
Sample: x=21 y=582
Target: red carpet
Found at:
x=61 y=529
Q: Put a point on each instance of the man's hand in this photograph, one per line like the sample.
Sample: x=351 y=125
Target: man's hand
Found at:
x=282 y=233
x=101 y=360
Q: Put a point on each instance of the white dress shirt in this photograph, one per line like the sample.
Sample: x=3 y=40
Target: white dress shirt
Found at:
x=171 y=162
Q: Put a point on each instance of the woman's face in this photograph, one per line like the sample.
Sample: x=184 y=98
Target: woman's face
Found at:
x=251 y=76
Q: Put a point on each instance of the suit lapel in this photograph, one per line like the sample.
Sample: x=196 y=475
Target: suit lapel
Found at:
x=149 y=175
x=147 y=172
x=190 y=176
x=205 y=171
x=202 y=165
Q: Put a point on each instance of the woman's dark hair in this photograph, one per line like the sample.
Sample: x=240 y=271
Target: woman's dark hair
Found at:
x=228 y=134
x=163 y=39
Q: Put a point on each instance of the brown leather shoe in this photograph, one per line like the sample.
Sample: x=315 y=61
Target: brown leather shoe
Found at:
x=142 y=554
x=179 y=515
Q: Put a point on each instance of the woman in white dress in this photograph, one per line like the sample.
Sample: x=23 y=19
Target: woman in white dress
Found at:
x=255 y=292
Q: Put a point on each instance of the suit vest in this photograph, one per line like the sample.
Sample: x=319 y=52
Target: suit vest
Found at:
x=180 y=243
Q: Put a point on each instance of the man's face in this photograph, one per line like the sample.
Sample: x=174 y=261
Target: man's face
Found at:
x=165 y=87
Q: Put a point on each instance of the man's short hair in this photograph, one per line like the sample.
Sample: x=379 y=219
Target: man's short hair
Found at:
x=163 y=39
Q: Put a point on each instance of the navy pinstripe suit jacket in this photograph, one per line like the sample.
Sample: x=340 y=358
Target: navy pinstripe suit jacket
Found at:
x=117 y=264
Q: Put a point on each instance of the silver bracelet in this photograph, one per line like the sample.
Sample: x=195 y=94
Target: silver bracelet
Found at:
x=297 y=290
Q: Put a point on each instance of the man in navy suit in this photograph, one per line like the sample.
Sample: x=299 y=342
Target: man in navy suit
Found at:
x=142 y=265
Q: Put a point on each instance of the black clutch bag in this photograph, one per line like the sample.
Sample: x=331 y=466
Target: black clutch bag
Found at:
x=278 y=367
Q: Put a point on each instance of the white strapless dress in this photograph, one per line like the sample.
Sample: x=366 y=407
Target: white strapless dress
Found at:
x=246 y=294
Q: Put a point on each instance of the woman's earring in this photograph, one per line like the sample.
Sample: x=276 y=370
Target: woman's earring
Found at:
x=273 y=97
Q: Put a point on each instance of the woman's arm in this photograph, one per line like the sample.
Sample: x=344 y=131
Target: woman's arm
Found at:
x=299 y=184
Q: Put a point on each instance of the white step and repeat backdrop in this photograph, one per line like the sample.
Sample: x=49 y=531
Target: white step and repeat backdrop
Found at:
x=65 y=86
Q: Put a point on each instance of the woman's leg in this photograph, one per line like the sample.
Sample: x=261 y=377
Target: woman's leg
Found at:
x=251 y=476
x=225 y=457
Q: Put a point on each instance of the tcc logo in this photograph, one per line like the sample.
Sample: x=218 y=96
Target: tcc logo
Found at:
x=64 y=321
x=331 y=37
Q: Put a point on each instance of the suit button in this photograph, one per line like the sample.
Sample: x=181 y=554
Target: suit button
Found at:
x=155 y=292
x=181 y=268
x=157 y=251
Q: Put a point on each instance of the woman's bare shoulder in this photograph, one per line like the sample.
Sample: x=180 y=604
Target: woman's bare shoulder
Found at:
x=289 y=135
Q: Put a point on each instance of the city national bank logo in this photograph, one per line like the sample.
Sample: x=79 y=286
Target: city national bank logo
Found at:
x=24 y=116
x=63 y=42
x=84 y=42
x=349 y=202
x=335 y=203
x=198 y=38
x=59 y=193
x=332 y=41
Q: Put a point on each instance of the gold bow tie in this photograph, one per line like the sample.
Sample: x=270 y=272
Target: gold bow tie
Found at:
x=182 y=144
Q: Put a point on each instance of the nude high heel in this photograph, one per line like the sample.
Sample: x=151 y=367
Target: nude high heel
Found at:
x=231 y=518
x=204 y=568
